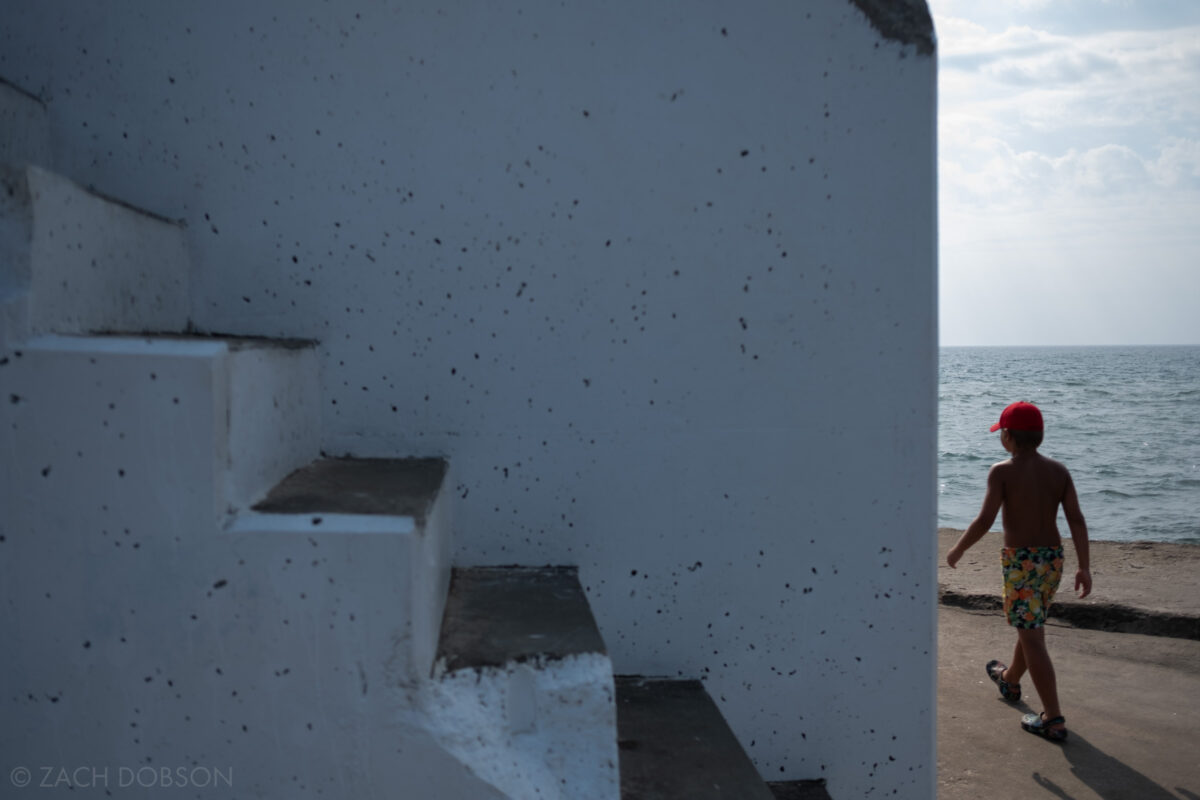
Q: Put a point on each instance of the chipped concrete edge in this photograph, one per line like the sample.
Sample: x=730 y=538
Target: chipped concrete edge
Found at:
x=904 y=21
x=546 y=728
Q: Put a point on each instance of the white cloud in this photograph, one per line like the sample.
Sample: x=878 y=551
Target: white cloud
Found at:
x=1055 y=68
x=1069 y=163
x=1179 y=164
x=1026 y=114
x=1054 y=77
x=992 y=175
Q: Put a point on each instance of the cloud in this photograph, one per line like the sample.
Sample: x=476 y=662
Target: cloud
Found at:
x=969 y=46
x=1070 y=161
x=1056 y=68
x=1027 y=116
x=1071 y=17
x=992 y=175
x=1179 y=164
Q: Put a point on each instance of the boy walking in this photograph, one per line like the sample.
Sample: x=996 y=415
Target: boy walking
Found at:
x=1029 y=488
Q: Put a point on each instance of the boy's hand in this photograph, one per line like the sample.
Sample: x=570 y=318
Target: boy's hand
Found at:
x=1083 y=583
x=953 y=556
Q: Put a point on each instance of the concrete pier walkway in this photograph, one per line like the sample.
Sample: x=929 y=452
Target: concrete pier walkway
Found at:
x=1131 y=700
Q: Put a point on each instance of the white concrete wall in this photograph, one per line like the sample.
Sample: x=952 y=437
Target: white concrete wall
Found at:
x=26 y=138
x=75 y=262
x=273 y=421
x=659 y=278
x=139 y=637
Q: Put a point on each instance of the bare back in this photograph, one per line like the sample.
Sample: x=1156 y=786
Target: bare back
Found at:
x=1029 y=488
x=1032 y=487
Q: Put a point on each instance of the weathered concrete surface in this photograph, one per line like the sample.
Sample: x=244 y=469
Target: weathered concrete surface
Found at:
x=674 y=743
x=1132 y=701
x=543 y=729
x=626 y=265
x=522 y=689
x=904 y=21
x=495 y=615
x=378 y=486
x=1132 y=704
x=1137 y=587
x=798 y=790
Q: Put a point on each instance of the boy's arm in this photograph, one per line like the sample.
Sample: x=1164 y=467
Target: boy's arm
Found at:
x=982 y=523
x=1079 y=535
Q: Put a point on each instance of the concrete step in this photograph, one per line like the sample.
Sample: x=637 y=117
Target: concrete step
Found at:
x=497 y=615
x=360 y=486
x=390 y=515
x=24 y=128
x=675 y=744
x=286 y=657
x=75 y=262
x=522 y=689
x=222 y=418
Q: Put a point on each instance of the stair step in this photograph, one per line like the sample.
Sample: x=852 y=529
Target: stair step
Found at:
x=244 y=411
x=404 y=487
x=395 y=509
x=73 y=261
x=799 y=790
x=674 y=743
x=522 y=688
x=495 y=615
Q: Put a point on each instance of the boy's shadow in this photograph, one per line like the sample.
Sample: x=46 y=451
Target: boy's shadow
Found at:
x=1105 y=775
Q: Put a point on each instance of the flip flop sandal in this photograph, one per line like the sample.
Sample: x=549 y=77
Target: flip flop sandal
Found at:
x=1009 y=691
x=1039 y=725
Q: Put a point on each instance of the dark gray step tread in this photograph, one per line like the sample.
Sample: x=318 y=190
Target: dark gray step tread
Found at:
x=400 y=487
x=495 y=615
x=674 y=743
x=799 y=790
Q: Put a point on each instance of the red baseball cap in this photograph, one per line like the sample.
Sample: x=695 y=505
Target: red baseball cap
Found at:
x=1020 y=417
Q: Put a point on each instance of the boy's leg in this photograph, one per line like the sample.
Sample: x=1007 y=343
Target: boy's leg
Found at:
x=1031 y=643
x=1016 y=667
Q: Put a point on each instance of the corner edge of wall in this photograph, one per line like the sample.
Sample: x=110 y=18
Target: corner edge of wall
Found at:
x=905 y=21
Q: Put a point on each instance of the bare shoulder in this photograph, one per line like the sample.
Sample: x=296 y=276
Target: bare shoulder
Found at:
x=1058 y=477
x=1057 y=467
x=1000 y=468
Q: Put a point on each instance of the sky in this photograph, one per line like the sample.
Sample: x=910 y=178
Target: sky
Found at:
x=1068 y=171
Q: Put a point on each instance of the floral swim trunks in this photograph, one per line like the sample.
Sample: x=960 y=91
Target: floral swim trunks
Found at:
x=1031 y=576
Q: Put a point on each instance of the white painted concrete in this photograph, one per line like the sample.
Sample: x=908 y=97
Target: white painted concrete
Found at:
x=274 y=417
x=81 y=263
x=412 y=590
x=659 y=279
x=546 y=730
x=262 y=425
x=15 y=225
x=182 y=348
x=26 y=137
x=429 y=577
x=139 y=636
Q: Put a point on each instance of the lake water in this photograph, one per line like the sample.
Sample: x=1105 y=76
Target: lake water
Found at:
x=1125 y=421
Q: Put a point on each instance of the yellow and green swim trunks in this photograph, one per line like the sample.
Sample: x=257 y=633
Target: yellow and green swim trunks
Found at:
x=1031 y=577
